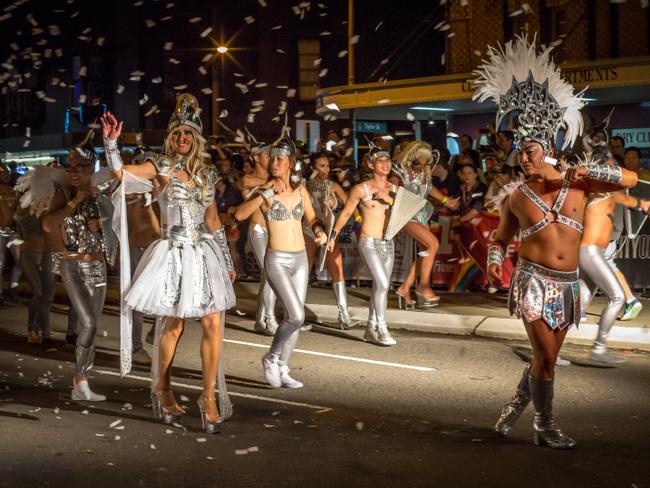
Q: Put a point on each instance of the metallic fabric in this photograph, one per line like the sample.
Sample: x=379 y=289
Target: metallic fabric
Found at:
x=7 y=232
x=537 y=293
x=85 y=359
x=378 y=255
x=552 y=214
x=258 y=238
x=56 y=257
x=495 y=255
x=596 y=273
x=604 y=172
x=220 y=237
x=288 y=273
x=279 y=212
x=77 y=235
x=512 y=410
x=546 y=432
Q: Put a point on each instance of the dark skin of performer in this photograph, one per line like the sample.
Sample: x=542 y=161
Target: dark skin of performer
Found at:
x=555 y=246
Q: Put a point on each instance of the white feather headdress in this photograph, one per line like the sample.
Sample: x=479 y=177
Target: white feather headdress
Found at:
x=529 y=84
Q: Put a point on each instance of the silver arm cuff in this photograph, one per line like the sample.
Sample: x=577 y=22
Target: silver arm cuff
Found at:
x=220 y=237
x=495 y=255
x=604 y=173
x=113 y=157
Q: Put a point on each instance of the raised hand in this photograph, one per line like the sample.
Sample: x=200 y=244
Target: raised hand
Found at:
x=111 y=128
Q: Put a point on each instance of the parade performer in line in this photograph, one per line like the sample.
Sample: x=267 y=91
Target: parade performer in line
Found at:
x=284 y=203
x=188 y=272
x=547 y=210
x=83 y=266
x=373 y=199
x=8 y=201
x=414 y=168
x=327 y=197
x=258 y=239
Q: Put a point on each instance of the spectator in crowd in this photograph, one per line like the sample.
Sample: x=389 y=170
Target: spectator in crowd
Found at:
x=507 y=153
x=617 y=146
x=248 y=168
x=467 y=155
x=227 y=172
x=632 y=162
x=472 y=194
x=444 y=179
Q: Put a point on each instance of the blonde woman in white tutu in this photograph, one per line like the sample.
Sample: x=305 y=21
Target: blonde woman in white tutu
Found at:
x=188 y=273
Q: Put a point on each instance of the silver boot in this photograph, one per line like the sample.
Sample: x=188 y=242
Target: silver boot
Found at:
x=512 y=410
x=378 y=334
x=340 y=292
x=546 y=431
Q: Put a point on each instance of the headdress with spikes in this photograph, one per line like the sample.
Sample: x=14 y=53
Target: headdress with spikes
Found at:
x=375 y=151
x=187 y=112
x=596 y=142
x=85 y=148
x=528 y=85
x=283 y=145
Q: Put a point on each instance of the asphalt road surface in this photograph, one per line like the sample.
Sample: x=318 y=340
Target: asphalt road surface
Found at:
x=417 y=414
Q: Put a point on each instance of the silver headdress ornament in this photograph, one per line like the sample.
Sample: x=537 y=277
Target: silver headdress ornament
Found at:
x=187 y=112
x=284 y=146
x=375 y=152
x=254 y=146
x=85 y=148
x=528 y=84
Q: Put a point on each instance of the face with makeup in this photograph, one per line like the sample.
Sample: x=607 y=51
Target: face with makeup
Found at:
x=183 y=139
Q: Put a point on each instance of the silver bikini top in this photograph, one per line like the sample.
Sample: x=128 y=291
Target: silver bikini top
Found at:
x=77 y=235
x=368 y=196
x=278 y=212
x=557 y=206
x=183 y=205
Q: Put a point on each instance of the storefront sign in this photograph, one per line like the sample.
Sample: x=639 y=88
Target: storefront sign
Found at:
x=639 y=137
x=366 y=126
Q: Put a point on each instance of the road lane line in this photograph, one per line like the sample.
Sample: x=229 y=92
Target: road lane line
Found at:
x=318 y=408
x=339 y=356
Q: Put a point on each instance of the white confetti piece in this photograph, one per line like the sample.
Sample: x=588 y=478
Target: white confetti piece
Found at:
x=299 y=114
x=180 y=87
x=333 y=106
x=343 y=53
x=168 y=46
x=117 y=437
x=276 y=27
x=410 y=116
x=205 y=33
x=169 y=431
x=115 y=424
x=82 y=98
x=253 y=449
x=143 y=100
x=184 y=398
x=442 y=59
x=127 y=406
x=249 y=20
x=275 y=413
x=201 y=439
x=149 y=23
x=269 y=426
x=194 y=20
x=241 y=452
x=206 y=91
x=322 y=73
x=153 y=446
x=516 y=13
x=151 y=111
x=281 y=51
x=83 y=71
x=174 y=61
x=57 y=410
x=120 y=89
x=383 y=101
x=207 y=58
x=359 y=426
x=209 y=457
x=100 y=41
x=156 y=80
x=110 y=464
x=450 y=35
x=100 y=435
x=262 y=3
x=354 y=39
x=85 y=412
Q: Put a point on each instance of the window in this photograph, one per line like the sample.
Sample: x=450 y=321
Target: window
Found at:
x=308 y=80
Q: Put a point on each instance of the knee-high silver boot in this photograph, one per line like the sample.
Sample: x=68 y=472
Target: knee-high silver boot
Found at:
x=546 y=431
x=340 y=292
x=85 y=357
x=512 y=410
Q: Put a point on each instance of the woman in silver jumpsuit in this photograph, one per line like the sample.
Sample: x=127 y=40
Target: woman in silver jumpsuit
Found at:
x=284 y=202
x=83 y=268
x=188 y=272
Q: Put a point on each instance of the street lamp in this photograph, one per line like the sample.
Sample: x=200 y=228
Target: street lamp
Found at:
x=222 y=49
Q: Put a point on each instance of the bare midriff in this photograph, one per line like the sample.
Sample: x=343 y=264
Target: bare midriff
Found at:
x=599 y=223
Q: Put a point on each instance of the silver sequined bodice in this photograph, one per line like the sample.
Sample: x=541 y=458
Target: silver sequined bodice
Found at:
x=77 y=235
x=321 y=192
x=419 y=185
x=182 y=208
x=279 y=212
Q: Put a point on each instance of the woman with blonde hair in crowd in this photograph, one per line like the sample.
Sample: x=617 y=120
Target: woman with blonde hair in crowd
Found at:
x=416 y=162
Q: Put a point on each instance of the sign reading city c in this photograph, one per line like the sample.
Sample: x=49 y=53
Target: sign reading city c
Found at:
x=639 y=137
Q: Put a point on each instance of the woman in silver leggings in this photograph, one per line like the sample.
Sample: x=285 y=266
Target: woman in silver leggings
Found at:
x=284 y=202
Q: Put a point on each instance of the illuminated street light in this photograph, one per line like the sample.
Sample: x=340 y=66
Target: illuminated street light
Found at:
x=222 y=49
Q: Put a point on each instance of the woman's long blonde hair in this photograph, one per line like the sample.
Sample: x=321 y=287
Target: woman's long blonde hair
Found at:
x=196 y=161
x=415 y=150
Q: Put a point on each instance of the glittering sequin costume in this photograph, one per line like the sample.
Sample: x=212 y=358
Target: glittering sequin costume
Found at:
x=421 y=188
x=84 y=281
x=537 y=292
x=184 y=273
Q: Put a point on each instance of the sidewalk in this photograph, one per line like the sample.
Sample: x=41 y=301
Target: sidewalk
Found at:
x=469 y=314
x=477 y=314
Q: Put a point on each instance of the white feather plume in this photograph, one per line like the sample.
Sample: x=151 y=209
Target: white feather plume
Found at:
x=517 y=59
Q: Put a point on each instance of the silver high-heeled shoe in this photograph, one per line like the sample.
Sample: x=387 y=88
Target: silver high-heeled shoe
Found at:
x=423 y=302
x=404 y=302
x=208 y=426
x=161 y=413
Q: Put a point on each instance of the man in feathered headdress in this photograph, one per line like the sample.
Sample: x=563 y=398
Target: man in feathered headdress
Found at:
x=547 y=212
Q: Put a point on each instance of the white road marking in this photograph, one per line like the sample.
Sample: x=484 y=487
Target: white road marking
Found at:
x=339 y=356
x=318 y=408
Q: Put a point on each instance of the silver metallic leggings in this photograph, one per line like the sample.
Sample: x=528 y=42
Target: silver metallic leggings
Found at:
x=85 y=284
x=379 y=256
x=258 y=238
x=288 y=273
x=16 y=270
x=37 y=268
x=596 y=272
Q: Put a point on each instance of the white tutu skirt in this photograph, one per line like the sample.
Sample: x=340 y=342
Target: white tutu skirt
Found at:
x=181 y=279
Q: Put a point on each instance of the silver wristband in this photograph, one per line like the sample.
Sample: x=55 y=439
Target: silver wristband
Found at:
x=495 y=255
x=113 y=157
x=220 y=237
x=604 y=172
x=267 y=194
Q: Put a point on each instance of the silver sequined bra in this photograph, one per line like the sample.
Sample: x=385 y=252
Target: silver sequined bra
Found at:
x=182 y=208
x=77 y=235
x=280 y=213
x=551 y=215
